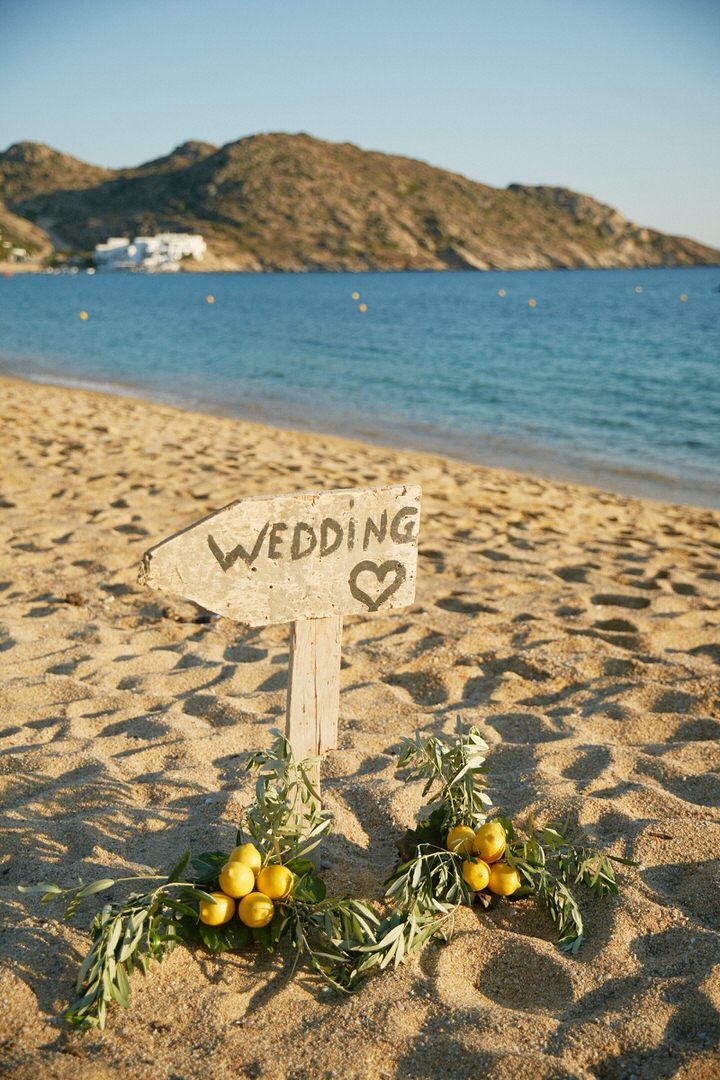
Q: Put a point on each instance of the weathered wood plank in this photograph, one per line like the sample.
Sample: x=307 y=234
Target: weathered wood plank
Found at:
x=310 y=555
x=313 y=698
x=314 y=686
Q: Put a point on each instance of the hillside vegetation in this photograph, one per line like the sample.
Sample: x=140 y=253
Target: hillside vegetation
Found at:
x=293 y=202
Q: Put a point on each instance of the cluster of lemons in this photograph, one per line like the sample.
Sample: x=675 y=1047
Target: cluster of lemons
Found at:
x=483 y=866
x=249 y=887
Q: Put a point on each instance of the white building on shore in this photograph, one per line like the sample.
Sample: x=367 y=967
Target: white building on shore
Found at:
x=162 y=252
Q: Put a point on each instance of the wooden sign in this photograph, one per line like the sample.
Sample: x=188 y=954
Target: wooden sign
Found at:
x=307 y=559
x=280 y=558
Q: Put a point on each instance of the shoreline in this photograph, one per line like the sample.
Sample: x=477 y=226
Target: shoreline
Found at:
x=38 y=268
x=498 y=453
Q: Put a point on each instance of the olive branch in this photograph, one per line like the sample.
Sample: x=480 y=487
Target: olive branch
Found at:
x=124 y=937
x=549 y=865
x=453 y=769
x=287 y=819
x=426 y=890
x=287 y=823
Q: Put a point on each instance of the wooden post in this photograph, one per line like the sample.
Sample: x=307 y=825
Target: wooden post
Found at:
x=313 y=699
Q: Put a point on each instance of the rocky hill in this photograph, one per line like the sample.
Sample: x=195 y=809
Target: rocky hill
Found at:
x=293 y=202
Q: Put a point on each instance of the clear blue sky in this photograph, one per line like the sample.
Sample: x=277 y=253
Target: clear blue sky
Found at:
x=617 y=98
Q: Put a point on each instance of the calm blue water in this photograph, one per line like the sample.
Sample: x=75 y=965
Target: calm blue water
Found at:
x=597 y=382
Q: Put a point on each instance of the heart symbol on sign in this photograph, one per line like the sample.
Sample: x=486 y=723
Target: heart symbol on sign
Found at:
x=381 y=571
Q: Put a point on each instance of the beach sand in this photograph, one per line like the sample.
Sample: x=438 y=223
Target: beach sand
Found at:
x=577 y=629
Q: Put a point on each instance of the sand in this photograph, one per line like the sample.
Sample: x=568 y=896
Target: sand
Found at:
x=577 y=629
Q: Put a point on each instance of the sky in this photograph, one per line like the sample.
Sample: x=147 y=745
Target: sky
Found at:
x=616 y=98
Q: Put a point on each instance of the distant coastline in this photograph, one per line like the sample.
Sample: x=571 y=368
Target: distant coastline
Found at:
x=278 y=202
x=30 y=267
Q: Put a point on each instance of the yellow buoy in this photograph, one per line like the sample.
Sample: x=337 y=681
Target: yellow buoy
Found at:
x=501 y=292
x=210 y=299
x=532 y=302
x=362 y=307
x=683 y=296
x=356 y=296
x=83 y=315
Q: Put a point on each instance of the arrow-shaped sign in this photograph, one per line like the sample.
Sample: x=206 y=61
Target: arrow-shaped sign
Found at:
x=281 y=558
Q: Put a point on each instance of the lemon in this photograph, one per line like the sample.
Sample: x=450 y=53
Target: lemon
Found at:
x=275 y=881
x=460 y=839
x=504 y=879
x=256 y=909
x=490 y=841
x=477 y=874
x=219 y=912
x=236 y=879
x=248 y=854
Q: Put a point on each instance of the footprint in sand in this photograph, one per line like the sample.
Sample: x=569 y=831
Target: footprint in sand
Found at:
x=524 y=728
x=711 y=650
x=573 y=573
x=137 y=727
x=620 y=600
x=464 y=607
x=217 y=712
x=591 y=762
x=623 y=626
x=244 y=654
x=616 y=667
x=703 y=729
x=277 y=681
x=424 y=687
x=118 y=590
x=437 y=558
x=131 y=530
x=674 y=701
x=683 y=588
x=516 y=665
x=504 y=980
x=432 y=640
x=692 y=887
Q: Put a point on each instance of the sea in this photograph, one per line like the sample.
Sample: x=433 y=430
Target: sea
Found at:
x=609 y=377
